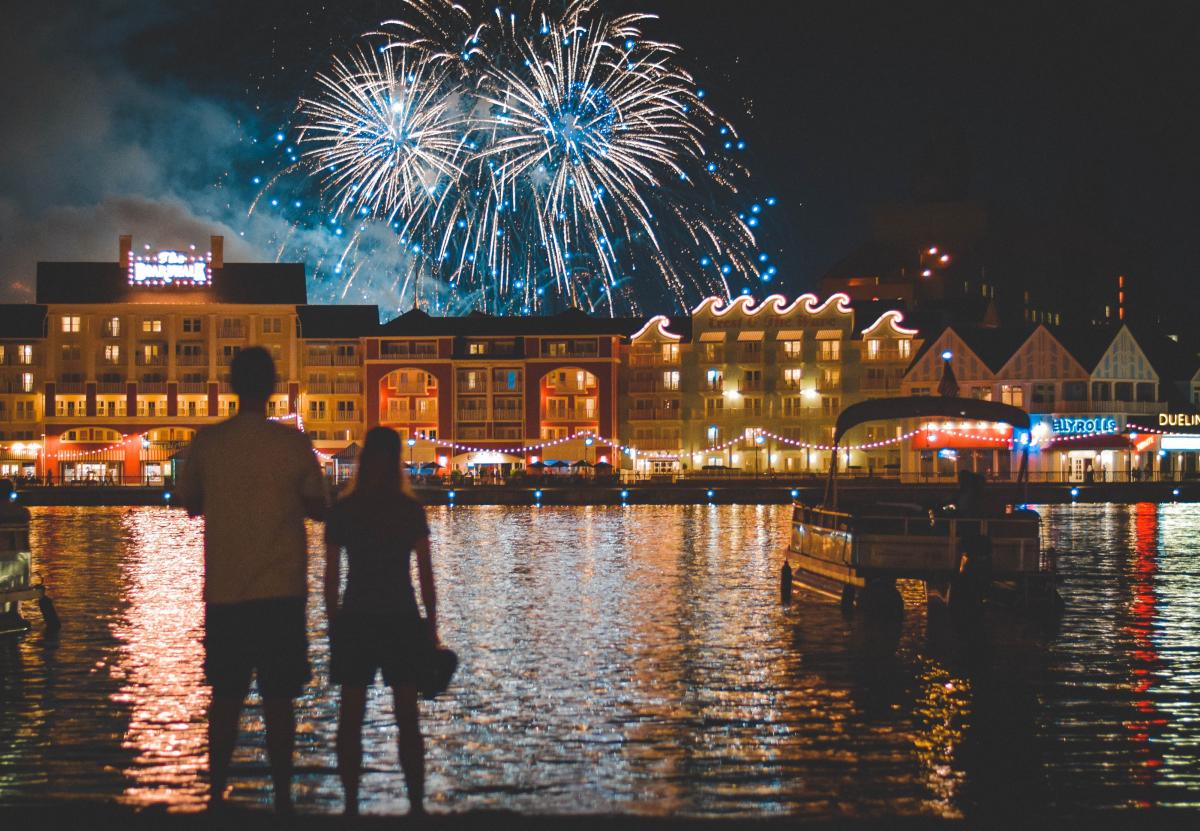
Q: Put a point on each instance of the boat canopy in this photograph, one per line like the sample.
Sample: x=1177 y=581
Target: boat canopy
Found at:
x=924 y=406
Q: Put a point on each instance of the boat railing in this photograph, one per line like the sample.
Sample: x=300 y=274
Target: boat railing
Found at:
x=1019 y=524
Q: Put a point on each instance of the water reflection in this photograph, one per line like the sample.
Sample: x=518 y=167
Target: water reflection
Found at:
x=636 y=659
x=159 y=658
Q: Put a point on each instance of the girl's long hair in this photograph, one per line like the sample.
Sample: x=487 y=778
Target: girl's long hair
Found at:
x=380 y=474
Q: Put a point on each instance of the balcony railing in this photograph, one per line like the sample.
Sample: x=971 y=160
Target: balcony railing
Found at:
x=329 y=359
x=69 y=388
x=193 y=387
x=412 y=388
x=658 y=444
x=347 y=386
x=507 y=414
x=142 y=359
x=650 y=359
x=750 y=385
x=653 y=385
x=111 y=387
x=790 y=384
x=232 y=332
x=396 y=350
x=655 y=414
x=345 y=416
x=1100 y=407
x=319 y=387
x=189 y=359
x=152 y=387
x=398 y=414
x=478 y=389
x=473 y=415
x=715 y=385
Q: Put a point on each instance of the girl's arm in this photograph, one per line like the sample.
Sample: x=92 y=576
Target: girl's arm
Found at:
x=333 y=564
x=428 y=590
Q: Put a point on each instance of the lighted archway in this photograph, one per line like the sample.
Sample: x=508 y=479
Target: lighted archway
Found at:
x=409 y=397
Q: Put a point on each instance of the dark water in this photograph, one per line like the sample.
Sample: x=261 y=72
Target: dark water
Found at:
x=637 y=660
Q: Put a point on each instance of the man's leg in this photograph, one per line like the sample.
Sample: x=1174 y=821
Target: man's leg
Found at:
x=281 y=743
x=223 y=716
x=349 y=742
x=412 y=745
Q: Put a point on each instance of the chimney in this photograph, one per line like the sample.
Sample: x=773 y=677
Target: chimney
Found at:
x=216 y=246
x=126 y=250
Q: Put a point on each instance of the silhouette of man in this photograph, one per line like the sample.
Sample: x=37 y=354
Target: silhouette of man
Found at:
x=254 y=481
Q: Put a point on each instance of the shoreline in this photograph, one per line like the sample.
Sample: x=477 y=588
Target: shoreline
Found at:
x=106 y=815
x=779 y=491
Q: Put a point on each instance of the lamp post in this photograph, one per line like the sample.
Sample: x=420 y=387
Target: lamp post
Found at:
x=411 y=444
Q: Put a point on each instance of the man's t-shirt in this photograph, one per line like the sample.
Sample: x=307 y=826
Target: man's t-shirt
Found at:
x=379 y=537
x=253 y=480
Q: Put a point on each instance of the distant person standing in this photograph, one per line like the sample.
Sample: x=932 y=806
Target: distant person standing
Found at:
x=377 y=625
x=254 y=481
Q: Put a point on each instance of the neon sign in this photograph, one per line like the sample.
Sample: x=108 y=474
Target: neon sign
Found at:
x=1080 y=426
x=1179 y=419
x=170 y=268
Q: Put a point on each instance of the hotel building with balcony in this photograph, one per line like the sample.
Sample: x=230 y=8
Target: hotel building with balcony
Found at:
x=758 y=387
x=108 y=376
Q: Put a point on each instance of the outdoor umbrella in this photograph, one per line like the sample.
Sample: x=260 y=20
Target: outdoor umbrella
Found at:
x=538 y=466
x=583 y=463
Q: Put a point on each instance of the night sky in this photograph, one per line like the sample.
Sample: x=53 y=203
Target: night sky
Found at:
x=126 y=117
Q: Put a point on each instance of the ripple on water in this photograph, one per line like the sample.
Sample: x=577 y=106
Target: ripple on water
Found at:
x=636 y=660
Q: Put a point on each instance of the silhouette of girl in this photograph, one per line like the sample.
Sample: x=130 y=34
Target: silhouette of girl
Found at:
x=377 y=625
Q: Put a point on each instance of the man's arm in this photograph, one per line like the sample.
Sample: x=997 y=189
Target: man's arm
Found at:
x=312 y=484
x=191 y=486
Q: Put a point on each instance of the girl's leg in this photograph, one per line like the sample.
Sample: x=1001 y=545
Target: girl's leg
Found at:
x=349 y=742
x=412 y=745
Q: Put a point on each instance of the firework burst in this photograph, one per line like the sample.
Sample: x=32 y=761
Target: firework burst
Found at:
x=533 y=161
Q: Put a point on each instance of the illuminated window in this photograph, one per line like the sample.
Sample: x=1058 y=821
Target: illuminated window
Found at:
x=791 y=349
x=70 y=323
x=24 y=354
x=26 y=382
x=831 y=350
x=671 y=379
x=670 y=353
x=554 y=348
x=1013 y=394
x=905 y=347
x=111 y=327
x=873 y=349
x=792 y=377
x=112 y=353
x=316 y=410
x=714 y=407
x=477 y=348
x=152 y=325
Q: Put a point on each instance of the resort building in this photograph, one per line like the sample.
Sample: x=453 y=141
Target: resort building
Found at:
x=109 y=375
x=485 y=394
x=758 y=387
x=1098 y=402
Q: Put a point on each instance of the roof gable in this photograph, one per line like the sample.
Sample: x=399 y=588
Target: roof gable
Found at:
x=927 y=366
x=1124 y=360
x=1042 y=357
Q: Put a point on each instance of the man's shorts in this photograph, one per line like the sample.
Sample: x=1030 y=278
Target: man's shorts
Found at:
x=361 y=645
x=269 y=637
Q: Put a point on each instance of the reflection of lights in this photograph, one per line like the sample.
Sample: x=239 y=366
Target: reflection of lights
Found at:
x=1074 y=492
x=947 y=355
x=450 y=494
x=160 y=658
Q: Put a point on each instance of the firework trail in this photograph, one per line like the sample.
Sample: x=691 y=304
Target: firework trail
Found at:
x=527 y=161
